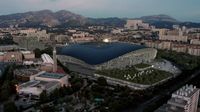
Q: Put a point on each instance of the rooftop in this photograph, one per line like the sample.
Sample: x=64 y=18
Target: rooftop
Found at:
x=97 y=53
x=185 y=91
x=36 y=87
x=26 y=72
x=26 y=52
x=2 y=53
x=51 y=75
x=178 y=102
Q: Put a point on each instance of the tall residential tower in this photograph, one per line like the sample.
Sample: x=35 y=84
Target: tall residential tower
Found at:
x=183 y=100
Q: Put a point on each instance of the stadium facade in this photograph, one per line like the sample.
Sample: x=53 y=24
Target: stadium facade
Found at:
x=98 y=56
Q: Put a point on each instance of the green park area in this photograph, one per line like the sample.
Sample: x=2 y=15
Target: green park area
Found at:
x=142 y=65
x=146 y=77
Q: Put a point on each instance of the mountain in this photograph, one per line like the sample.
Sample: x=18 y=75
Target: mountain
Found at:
x=165 y=21
x=63 y=18
x=190 y=24
x=160 y=21
x=117 y=22
x=159 y=18
x=41 y=18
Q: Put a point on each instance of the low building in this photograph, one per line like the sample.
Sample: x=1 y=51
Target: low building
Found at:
x=41 y=35
x=28 y=54
x=5 y=48
x=35 y=88
x=45 y=76
x=173 y=35
x=165 y=45
x=179 y=47
x=2 y=56
x=195 y=41
x=71 y=31
x=152 y=44
x=37 y=62
x=46 y=67
x=174 y=38
x=25 y=74
x=80 y=37
x=14 y=57
x=80 y=34
x=61 y=38
x=42 y=81
x=27 y=31
x=116 y=31
x=194 y=50
x=47 y=64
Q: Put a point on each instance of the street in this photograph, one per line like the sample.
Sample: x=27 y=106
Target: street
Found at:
x=166 y=92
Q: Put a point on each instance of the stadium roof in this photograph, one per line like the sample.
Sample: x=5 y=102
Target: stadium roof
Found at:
x=97 y=53
x=51 y=75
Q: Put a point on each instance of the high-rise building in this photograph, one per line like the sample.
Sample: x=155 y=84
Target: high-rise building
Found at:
x=136 y=24
x=183 y=100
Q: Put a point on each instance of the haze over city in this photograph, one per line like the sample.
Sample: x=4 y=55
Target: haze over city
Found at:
x=183 y=10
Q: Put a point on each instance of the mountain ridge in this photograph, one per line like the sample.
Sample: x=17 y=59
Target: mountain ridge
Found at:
x=64 y=18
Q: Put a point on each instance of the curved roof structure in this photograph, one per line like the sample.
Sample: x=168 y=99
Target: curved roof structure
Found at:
x=47 y=59
x=97 y=53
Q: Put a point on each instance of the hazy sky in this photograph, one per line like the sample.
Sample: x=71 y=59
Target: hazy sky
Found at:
x=184 y=10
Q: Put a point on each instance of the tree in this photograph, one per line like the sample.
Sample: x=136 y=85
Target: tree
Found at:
x=48 y=50
x=4 y=95
x=65 y=91
x=44 y=97
x=125 y=92
x=13 y=84
x=115 y=106
x=77 y=86
x=10 y=107
x=37 y=53
x=10 y=75
x=102 y=81
x=5 y=91
x=48 y=109
x=55 y=94
x=8 y=86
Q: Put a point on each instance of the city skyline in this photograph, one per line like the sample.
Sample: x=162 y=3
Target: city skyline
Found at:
x=182 y=10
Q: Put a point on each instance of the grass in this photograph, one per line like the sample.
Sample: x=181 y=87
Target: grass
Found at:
x=130 y=74
x=142 y=65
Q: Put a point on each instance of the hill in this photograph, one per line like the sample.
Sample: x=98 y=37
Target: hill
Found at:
x=63 y=18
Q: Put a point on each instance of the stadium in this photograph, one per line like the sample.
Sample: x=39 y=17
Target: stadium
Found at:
x=87 y=57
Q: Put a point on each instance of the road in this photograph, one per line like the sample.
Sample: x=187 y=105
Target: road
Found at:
x=166 y=92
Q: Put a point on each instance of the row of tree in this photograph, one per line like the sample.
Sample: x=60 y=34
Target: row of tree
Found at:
x=8 y=89
x=185 y=61
x=38 y=52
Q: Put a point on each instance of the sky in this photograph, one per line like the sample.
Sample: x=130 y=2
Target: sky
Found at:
x=183 y=10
